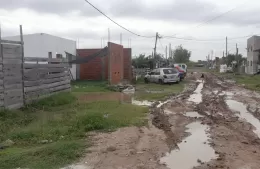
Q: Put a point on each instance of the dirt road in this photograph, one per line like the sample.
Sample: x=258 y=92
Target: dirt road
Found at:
x=211 y=125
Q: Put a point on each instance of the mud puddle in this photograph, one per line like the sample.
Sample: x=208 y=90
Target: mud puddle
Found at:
x=244 y=114
x=121 y=97
x=76 y=167
x=197 y=96
x=141 y=103
x=193 y=114
x=192 y=151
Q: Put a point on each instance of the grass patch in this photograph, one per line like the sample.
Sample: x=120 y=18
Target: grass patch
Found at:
x=250 y=82
x=89 y=86
x=60 y=99
x=63 y=122
x=153 y=92
x=51 y=156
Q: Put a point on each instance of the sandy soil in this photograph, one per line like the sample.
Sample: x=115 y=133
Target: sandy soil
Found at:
x=234 y=140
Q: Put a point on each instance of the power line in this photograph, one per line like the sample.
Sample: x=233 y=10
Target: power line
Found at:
x=116 y=22
x=216 y=17
x=161 y=43
x=205 y=40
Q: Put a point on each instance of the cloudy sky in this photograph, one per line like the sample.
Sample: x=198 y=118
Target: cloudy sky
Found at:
x=77 y=20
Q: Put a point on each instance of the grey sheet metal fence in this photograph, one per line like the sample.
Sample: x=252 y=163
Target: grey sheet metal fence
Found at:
x=26 y=79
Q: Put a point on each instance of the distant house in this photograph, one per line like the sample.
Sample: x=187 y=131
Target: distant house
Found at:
x=45 y=45
x=253 y=55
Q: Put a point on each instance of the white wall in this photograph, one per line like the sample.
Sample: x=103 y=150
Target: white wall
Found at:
x=253 y=44
x=40 y=44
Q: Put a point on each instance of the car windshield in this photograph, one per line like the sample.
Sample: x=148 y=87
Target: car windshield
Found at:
x=183 y=66
x=169 y=71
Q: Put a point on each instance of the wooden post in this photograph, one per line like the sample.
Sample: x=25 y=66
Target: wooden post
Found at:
x=22 y=44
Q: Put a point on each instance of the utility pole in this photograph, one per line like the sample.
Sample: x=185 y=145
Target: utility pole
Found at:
x=170 y=50
x=223 y=53
x=226 y=47
x=108 y=35
x=166 y=51
x=156 y=38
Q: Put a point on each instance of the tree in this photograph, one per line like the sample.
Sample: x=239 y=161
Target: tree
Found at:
x=232 y=57
x=181 y=55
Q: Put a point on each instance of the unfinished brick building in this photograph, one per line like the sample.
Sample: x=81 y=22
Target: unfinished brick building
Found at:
x=114 y=67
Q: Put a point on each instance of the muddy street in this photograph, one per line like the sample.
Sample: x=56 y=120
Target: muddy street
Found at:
x=211 y=125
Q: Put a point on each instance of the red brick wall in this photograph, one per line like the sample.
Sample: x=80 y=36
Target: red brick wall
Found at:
x=128 y=64
x=120 y=64
x=116 y=59
x=93 y=69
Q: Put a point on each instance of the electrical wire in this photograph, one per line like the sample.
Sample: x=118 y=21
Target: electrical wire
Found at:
x=206 y=40
x=216 y=17
x=161 y=43
x=116 y=22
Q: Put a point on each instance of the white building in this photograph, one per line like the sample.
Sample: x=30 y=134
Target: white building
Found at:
x=43 y=45
x=253 y=55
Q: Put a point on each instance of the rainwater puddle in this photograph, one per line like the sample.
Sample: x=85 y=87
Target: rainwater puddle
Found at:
x=162 y=103
x=197 y=96
x=121 y=97
x=193 y=114
x=76 y=167
x=240 y=107
x=226 y=93
x=141 y=103
x=91 y=97
x=191 y=149
x=167 y=111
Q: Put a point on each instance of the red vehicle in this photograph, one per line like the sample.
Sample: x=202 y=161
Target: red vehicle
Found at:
x=182 y=72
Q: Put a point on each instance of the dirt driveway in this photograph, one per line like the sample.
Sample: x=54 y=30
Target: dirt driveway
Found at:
x=211 y=125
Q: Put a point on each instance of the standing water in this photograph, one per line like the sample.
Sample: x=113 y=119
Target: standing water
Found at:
x=197 y=96
x=240 y=107
x=193 y=148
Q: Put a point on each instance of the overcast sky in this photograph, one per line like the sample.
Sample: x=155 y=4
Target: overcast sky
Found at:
x=75 y=19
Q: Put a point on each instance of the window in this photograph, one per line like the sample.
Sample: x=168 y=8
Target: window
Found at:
x=152 y=73
x=247 y=63
x=169 y=71
x=157 y=72
x=251 y=63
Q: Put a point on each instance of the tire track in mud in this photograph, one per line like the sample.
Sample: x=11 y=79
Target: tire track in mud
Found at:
x=161 y=120
x=232 y=138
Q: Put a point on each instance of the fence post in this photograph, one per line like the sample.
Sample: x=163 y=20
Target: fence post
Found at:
x=22 y=45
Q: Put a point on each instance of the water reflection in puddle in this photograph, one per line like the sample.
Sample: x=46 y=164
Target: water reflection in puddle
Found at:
x=141 y=103
x=193 y=114
x=162 y=103
x=240 y=107
x=76 y=167
x=191 y=149
x=197 y=96
x=121 y=97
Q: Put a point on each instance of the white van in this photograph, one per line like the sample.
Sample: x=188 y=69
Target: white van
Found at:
x=182 y=65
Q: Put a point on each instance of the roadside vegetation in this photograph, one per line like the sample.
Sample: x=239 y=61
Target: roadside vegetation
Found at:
x=52 y=133
x=251 y=82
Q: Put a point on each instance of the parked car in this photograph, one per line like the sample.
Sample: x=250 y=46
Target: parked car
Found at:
x=163 y=75
x=181 y=71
